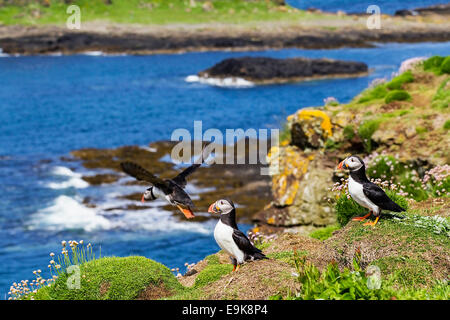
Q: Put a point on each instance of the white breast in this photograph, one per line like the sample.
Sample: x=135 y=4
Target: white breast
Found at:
x=161 y=195
x=224 y=238
x=356 y=191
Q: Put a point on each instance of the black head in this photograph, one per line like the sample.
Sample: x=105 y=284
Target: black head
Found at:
x=222 y=206
x=148 y=195
x=352 y=163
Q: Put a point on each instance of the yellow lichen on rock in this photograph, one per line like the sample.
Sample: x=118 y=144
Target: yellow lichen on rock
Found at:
x=309 y=114
x=292 y=166
x=310 y=128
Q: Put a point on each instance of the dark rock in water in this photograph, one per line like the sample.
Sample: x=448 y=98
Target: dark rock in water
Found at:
x=442 y=9
x=266 y=70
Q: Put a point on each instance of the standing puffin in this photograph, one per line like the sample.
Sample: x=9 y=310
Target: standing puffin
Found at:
x=366 y=193
x=230 y=238
x=169 y=189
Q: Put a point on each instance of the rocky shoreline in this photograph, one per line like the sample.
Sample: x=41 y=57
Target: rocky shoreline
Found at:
x=241 y=182
x=26 y=40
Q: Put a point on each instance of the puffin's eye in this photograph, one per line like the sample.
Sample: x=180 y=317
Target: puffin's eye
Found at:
x=221 y=202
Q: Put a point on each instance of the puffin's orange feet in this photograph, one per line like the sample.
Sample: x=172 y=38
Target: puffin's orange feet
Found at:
x=237 y=268
x=234 y=268
x=362 y=218
x=372 y=223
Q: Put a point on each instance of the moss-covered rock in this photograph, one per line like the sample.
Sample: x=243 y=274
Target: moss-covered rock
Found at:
x=114 y=278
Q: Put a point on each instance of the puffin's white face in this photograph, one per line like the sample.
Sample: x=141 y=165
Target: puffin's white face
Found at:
x=147 y=196
x=352 y=163
x=222 y=206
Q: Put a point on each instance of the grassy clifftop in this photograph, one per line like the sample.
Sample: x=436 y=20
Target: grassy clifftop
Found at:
x=151 y=11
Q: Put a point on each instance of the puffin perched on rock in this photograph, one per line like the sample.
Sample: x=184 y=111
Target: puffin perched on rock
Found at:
x=169 y=189
x=227 y=235
x=366 y=193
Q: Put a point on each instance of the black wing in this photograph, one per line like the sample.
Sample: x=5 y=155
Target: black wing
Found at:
x=179 y=196
x=244 y=244
x=139 y=173
x=380 y=198
x=181 y=178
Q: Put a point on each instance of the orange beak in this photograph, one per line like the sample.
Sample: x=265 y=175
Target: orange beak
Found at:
x=342 y=165
x=213 y=209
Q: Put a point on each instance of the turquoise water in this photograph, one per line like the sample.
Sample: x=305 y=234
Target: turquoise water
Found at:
x=50 y=105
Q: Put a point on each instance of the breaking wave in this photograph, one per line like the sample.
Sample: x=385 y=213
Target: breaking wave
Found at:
x=73 y=179
x=231 y=82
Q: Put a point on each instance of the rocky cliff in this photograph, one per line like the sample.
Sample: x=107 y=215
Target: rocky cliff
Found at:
x=406 y=119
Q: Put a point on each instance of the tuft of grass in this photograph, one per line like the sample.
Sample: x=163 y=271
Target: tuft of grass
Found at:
x=346 y=208
x=378 y=92
x=324 y=233
x=447 y=125
x=366 y=130
x=433 y=64
x=112 y=278
x=397 y=95
x=441 y=99
x=397 y=82
x=349 y=132
x=445 y=66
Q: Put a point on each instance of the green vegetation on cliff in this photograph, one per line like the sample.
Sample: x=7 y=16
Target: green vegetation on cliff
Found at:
x=151 y=11
x=114 y=278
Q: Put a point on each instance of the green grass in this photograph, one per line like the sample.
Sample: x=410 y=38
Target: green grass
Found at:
x=405 y=271
x=211 y=273
x=397 y=95
x=378 y=92
x=366 y=130
x=324 y=233
x=397 y=82
x=153 y=12
x=434 y=64
x=349 y=132
x=441 y=99
x=120 y=278
x=447 y=125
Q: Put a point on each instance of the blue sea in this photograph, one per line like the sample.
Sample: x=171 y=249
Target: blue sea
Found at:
x=360 y=6
x=51 y=105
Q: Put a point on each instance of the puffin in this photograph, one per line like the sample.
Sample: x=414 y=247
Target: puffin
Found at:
x=366 y=193
x=170 y=190
x=228 y=236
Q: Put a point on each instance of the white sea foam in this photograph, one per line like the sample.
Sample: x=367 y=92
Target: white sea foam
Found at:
x=2 y=54
x=93 y=53
x=68 y=213
x=74 y=179
x=149 y=149
x=230 y=82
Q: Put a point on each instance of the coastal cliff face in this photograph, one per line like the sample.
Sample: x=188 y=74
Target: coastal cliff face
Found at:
x=406 y=118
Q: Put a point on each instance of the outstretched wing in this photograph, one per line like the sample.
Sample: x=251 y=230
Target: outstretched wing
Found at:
x=181 y=178
x=380 y=198
x=139 y=173
x=243 y=243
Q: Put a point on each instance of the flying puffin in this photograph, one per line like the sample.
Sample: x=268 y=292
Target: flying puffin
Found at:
x=169 y=189
x=230 y=238
x=366 y=193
